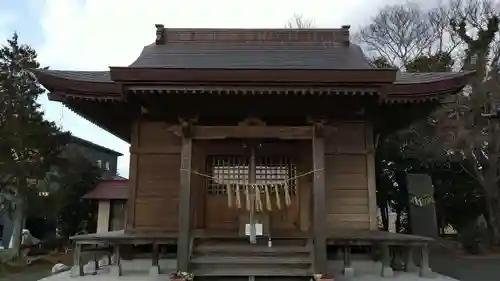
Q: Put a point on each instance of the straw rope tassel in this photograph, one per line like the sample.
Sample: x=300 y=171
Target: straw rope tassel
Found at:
x=258 y=199
x=268 y=198
x=229 y=195
x=238 y=197
x=247 y=195
x=277 y=193
x=288 y=200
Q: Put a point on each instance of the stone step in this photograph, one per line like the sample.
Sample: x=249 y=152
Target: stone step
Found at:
x=251 y=271
x=250 y=249
x=245 y=241
x=251 y=260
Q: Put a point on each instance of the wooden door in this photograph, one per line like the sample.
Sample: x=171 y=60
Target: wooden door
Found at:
x=273 y=171
x=228 y=170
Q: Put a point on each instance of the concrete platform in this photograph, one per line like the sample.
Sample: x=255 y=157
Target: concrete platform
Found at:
x=138 y=270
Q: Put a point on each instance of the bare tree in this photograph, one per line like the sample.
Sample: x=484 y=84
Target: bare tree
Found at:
x=298 y=21
x=476 y=137
x=401 y=33
x=466 y=32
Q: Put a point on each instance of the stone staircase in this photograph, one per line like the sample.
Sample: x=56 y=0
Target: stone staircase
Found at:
x=233 y=257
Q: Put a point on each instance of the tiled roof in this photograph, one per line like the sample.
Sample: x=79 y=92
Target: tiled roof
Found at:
x=253 y=55
x=103 y=76
x=425 y=77
x=84 y=76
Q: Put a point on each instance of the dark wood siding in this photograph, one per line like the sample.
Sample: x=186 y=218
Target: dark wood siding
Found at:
x=155 y=182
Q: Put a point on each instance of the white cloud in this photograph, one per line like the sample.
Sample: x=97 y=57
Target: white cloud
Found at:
x=95 y=34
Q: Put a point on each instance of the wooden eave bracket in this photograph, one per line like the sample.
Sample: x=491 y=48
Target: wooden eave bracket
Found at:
x=318 y=123
x=185 y=127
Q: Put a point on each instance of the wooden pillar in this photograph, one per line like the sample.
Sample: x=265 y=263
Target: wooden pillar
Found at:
x=133 y=177
x=184 y=202
x=319 y=211
x=371 y=176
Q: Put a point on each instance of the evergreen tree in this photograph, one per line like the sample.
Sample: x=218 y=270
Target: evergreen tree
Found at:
x=29 y=144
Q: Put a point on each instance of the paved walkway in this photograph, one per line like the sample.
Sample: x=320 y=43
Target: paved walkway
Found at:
x=460 y=268
x=468 y=268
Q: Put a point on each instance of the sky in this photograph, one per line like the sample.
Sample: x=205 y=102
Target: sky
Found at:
x=97 y=34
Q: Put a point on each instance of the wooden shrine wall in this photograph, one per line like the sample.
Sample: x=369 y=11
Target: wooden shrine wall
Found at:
x=349 y=170
x=154 y=178
x=350 y=177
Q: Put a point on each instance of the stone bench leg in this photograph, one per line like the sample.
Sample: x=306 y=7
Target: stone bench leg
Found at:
x=116 y=269
x=77 y=268
x=155 y=265
x=95 y=266
x=409 y=262
x=348 y=270
x=425 y=270
x=386 y=262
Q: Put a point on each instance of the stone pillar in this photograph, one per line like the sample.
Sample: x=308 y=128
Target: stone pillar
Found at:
x=422 y=207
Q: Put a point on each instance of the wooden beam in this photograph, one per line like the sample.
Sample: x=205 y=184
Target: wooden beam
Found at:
x=319 y=210
x=184 y=206
x=223 y=132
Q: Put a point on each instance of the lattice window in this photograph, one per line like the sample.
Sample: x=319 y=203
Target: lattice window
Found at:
x=235 y=170
x=275 y=170
x=227 y=169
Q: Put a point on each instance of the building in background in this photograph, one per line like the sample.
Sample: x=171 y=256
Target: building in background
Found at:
x=105 y=158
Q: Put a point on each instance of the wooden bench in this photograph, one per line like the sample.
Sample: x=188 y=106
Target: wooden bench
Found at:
x=400 y=244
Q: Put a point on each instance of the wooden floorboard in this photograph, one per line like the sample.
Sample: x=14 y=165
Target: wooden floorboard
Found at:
x=333 y=237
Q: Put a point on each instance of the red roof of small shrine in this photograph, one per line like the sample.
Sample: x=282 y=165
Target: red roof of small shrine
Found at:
x=109 y=190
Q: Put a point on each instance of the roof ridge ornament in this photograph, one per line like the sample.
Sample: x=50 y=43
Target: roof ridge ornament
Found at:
x=346 y=37
x=160 y=34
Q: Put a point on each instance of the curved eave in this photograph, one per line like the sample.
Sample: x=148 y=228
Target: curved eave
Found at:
x=112 y=116
x=80 y=84
x=262 y=76
x=414 y=91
